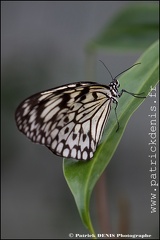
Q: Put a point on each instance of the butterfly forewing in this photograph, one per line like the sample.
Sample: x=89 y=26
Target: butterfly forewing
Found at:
x=69 y=120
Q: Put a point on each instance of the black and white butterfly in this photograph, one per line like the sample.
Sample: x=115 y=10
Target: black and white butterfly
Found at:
x=69 y=119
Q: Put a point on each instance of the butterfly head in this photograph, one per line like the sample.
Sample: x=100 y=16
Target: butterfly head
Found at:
x=114 y=85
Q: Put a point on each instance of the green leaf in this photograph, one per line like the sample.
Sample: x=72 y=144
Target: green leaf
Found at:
x=81 y=176
x=136 y=27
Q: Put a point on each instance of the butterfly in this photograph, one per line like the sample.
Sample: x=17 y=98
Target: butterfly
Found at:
x=70 y=119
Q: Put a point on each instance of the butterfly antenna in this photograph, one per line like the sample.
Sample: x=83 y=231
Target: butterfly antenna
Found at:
x=107 y=69
x=127 y=69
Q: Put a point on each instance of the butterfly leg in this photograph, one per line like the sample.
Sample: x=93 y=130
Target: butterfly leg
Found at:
x=116 y=116
x=137 y=95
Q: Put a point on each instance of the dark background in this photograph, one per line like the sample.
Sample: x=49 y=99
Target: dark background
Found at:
x=42 y=47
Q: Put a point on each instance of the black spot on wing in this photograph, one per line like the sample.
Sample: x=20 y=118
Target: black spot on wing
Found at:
x=74 y=136
x=66 y=119
x=82 y=94
x=84 y=137
x=83 y=97
x=66 y=98
x=66 y=130
x=95 y=96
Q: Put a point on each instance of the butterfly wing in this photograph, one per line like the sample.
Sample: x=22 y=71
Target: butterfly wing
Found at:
x=69 y=120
